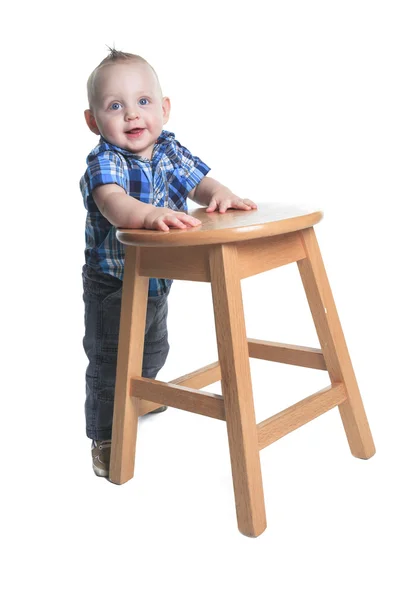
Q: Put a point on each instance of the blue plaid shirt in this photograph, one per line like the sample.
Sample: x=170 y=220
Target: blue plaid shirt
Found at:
x=165 y=180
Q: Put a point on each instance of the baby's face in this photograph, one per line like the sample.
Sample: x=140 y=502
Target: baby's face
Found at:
x=129 y=111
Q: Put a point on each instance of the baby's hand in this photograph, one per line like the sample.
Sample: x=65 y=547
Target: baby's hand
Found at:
x=224 y=199
x=161 y=218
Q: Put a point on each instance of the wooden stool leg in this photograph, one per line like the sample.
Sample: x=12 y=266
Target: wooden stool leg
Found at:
x=237 y=390
x=129 y=364
x=333 y=346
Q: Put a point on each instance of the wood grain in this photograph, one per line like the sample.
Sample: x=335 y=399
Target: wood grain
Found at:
x=299 y=414
x=237 y=390
x=301 y=356
x=333 y=346
x=129 y=364
x=179 y=396
x=263 y=254
x=196 y=379
x=269 y=219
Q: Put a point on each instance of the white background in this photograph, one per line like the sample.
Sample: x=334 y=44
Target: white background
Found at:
x=292 y=102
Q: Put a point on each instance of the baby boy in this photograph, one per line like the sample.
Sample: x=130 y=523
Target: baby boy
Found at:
x=138 y=176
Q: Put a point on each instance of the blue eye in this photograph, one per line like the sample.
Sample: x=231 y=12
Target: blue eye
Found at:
x=115 y=105
x=143 y=100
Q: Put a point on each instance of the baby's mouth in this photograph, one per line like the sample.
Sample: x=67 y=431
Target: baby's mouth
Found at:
x=135 y=132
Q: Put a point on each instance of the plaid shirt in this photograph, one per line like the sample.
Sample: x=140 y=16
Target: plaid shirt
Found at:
x=165 y=180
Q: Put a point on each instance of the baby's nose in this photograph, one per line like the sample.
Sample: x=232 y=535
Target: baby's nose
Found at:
x=131 y=114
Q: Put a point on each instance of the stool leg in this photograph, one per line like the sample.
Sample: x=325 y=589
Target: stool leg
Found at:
x=129 y=364
x=237 y=390
x=333 y=346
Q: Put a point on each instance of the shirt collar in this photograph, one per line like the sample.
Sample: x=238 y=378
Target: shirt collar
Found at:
x=164 y=138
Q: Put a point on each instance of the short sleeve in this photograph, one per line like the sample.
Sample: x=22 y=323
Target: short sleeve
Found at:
x=106 y=167
x=191 y=168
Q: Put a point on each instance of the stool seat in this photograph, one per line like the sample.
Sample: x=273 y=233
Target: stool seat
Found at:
x=224 y=249
x=234 y=225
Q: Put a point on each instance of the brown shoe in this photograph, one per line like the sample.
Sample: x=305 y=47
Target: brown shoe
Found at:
x=101 y=451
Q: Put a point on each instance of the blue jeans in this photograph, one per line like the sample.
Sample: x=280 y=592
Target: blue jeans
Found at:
x=102 y=298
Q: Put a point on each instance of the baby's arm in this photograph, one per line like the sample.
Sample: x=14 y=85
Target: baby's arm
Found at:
x=214 y=195
x=123 y=210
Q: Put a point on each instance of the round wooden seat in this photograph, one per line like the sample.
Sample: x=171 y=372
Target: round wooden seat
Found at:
x=233 y=226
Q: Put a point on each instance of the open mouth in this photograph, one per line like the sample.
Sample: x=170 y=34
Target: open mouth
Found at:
x=136 y=132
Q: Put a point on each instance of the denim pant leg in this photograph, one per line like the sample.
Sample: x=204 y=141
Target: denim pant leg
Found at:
x=156 y=346
x=102 y=297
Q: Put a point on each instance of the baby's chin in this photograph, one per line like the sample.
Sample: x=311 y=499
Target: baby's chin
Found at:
x=139 y=144
x=136 y=145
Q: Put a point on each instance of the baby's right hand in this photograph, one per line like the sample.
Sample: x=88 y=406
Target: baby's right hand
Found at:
x=161 y=218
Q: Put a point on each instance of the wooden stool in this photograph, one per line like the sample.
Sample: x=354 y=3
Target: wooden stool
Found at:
x=223 y=250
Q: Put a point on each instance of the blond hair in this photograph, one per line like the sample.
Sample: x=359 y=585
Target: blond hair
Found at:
x=114 y=57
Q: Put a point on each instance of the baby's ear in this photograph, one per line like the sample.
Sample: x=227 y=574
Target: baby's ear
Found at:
x=91 y=122
x=166 y=106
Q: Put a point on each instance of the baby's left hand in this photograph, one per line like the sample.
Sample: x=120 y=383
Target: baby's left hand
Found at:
x=224 y=199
